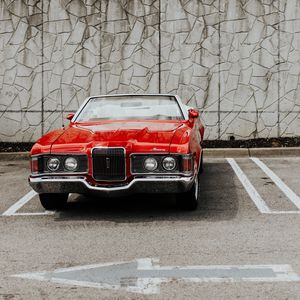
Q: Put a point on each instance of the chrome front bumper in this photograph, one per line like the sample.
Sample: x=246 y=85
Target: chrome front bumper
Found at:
x=154 y=184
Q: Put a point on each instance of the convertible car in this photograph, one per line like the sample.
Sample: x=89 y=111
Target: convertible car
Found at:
x=121 y=144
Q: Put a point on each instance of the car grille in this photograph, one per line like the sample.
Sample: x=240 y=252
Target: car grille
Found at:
x=109 y=164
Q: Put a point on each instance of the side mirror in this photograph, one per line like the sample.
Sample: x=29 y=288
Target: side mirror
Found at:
x=193 y=114
x=70 y=116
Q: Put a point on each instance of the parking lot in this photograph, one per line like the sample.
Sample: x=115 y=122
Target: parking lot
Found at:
x=248 y=219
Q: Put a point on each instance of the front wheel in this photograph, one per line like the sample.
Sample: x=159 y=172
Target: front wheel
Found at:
x=189 y=200
x=53 y=201
x=201 y=168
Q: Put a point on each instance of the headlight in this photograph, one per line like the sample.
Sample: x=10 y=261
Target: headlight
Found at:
x=53 y=164
x=150 y=164
x=71 y=164
x=169 y=163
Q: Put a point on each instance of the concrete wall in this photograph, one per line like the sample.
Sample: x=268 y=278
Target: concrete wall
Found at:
x=237 y=60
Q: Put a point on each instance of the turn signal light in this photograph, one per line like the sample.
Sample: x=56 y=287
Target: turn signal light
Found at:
x=187 y=163
x=34 y=165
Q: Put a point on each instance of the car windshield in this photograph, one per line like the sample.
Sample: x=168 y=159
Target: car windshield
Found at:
x=131 y=108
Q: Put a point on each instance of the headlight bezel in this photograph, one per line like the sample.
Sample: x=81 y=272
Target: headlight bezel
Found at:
x=137 y=164
x=42 y=162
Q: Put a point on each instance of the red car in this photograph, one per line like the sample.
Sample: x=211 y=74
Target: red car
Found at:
x=121 y=144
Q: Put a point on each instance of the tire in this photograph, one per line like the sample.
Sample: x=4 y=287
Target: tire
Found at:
x=201 y=168
x=53 y=201
x=189 y=200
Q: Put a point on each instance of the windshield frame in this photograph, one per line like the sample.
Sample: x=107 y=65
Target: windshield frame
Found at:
x=184 y=114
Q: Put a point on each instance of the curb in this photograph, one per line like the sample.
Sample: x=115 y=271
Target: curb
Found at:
x=269 y=152
x=252 y=152
x=14 y=155
x=226 y=152
x=209 y=152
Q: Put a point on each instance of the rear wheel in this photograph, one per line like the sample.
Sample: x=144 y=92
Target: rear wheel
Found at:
x=189 y=200
x=53 y=201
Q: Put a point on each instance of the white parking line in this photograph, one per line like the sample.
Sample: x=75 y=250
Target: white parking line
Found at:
x=19 y=204
x=12 y=211
x=254 y=195
x=252 y=192
x=284 y=212
x=280 y=184
x=45 y=213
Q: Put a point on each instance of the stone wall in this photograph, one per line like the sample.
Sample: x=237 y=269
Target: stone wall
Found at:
x=238 y=61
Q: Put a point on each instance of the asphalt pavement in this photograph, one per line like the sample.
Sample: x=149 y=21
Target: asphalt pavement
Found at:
x=242 y=242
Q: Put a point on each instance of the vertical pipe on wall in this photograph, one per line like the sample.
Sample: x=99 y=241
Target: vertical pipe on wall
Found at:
x=42 y=102
x=279 y=73
x=219 y=77
x=159 y=47
x=100 y=48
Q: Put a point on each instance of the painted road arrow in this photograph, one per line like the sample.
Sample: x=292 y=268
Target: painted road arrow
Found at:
x=145 y=275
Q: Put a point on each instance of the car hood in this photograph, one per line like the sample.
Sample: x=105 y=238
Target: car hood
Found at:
x=133 y=135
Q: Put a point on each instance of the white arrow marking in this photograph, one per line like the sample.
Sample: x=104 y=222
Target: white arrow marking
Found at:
x=145 y=275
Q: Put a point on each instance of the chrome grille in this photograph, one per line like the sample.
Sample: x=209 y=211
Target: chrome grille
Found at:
x=109 y=164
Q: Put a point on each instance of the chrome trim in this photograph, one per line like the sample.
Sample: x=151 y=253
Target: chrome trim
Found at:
x=153 y=179
x=59 y=174
x=103 y=147
x=156 y=153
x=162 y=174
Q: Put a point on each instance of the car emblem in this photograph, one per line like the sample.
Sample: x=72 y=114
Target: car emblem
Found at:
x=107 y=162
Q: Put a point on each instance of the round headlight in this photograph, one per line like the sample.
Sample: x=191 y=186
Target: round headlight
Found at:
x=169 y=163
x=71 y=164
x=53 y=164
x=150 y=164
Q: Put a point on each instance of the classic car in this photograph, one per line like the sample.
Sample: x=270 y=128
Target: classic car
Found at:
x=116 y=145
